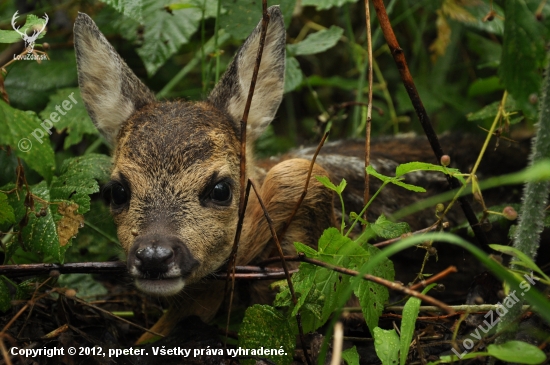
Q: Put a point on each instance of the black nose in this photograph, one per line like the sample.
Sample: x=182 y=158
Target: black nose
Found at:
x=160 y=257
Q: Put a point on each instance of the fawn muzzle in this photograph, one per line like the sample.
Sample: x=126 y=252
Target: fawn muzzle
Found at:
x=160 y=264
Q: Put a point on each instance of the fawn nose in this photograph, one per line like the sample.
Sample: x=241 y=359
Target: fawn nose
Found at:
x=161 y=257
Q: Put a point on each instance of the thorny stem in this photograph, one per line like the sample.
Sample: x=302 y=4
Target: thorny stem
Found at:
x=423 y=117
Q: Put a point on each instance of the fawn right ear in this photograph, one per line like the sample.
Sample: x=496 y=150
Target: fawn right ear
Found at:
x=110 y=90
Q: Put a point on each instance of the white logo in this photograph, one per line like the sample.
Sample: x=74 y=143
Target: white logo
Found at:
x=29 y=39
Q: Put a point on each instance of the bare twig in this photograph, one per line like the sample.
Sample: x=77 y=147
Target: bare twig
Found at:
x=366 y=196
x=302 y=197
x=285 y=268
x=337 y=344
x=434 y=278
x=408 y=82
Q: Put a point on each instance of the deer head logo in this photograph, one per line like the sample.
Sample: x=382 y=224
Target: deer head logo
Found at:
x=29 y=39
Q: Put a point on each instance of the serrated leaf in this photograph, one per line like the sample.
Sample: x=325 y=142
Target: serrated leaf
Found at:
x=523 y=53
x=17 y=131
x=165 y=32
x=334 y=249
x=410 y=313
x=78 y=179
x=70 y=222
x=350 y=356
x=325 y=4
x=6 y=210
x=293 y=74
x=416 y=189
x=130 y=8
x=387 y=229
x=517 y=352
x=372 y=297
x=11 y=36
x=242 y=16
x=5 y=297
x=317 y=42
x=264 y=327
x=386 y=345
x=76 y=121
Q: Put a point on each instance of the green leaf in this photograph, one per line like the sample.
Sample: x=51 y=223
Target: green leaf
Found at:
x=264 y=328
x=425 y=166
x=326 y=182
x=484 y=86
x=84 y=284
x=394 y=180
x=165 y=33
x=129 y=8
x=372 y=297
x=76 y=121
x=410 y=313
x=517 y=352
x=6 y=210
x=11 y=36
x=387 y=229
x=317 y=42
x=490 y=111
x=293 y=74
x=523 y=54
x=30 y=84
x=386 y=345
x=524 y=260
x=242 y=16
x=350 y=356
x=78 y=179
x=22 y=131
x=334 y=249
x=326 y=4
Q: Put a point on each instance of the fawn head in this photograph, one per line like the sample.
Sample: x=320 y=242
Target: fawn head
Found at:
x=175 y=179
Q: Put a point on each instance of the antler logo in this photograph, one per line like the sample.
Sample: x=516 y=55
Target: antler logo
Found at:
x=29 y=39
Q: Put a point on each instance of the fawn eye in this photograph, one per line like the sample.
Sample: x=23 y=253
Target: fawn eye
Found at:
x=119 y=195
x=221 y=193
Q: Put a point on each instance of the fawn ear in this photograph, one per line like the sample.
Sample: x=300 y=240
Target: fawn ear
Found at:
x=110 y=90
x=231 y=92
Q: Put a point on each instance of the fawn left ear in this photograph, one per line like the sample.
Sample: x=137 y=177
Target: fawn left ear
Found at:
x=231 y=92
x=110 y=90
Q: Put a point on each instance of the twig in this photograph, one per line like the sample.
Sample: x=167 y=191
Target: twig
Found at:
x=366 y=194
x=114 y=267
x=302 y=197
x=112 y=315
x=244 y=120
x=423 y=117
x=434 y=278
x=338 y=341
x=285 y=268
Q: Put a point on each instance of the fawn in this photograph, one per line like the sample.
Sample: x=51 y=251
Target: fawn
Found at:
x=174 y=186
x=175 y=180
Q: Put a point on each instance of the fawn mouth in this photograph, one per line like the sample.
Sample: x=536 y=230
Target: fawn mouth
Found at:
x=160 y=287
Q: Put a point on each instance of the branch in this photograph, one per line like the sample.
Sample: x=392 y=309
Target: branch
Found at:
x=408 y=82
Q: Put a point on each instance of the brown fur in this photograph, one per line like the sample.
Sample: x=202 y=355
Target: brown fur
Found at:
x=170 y=156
